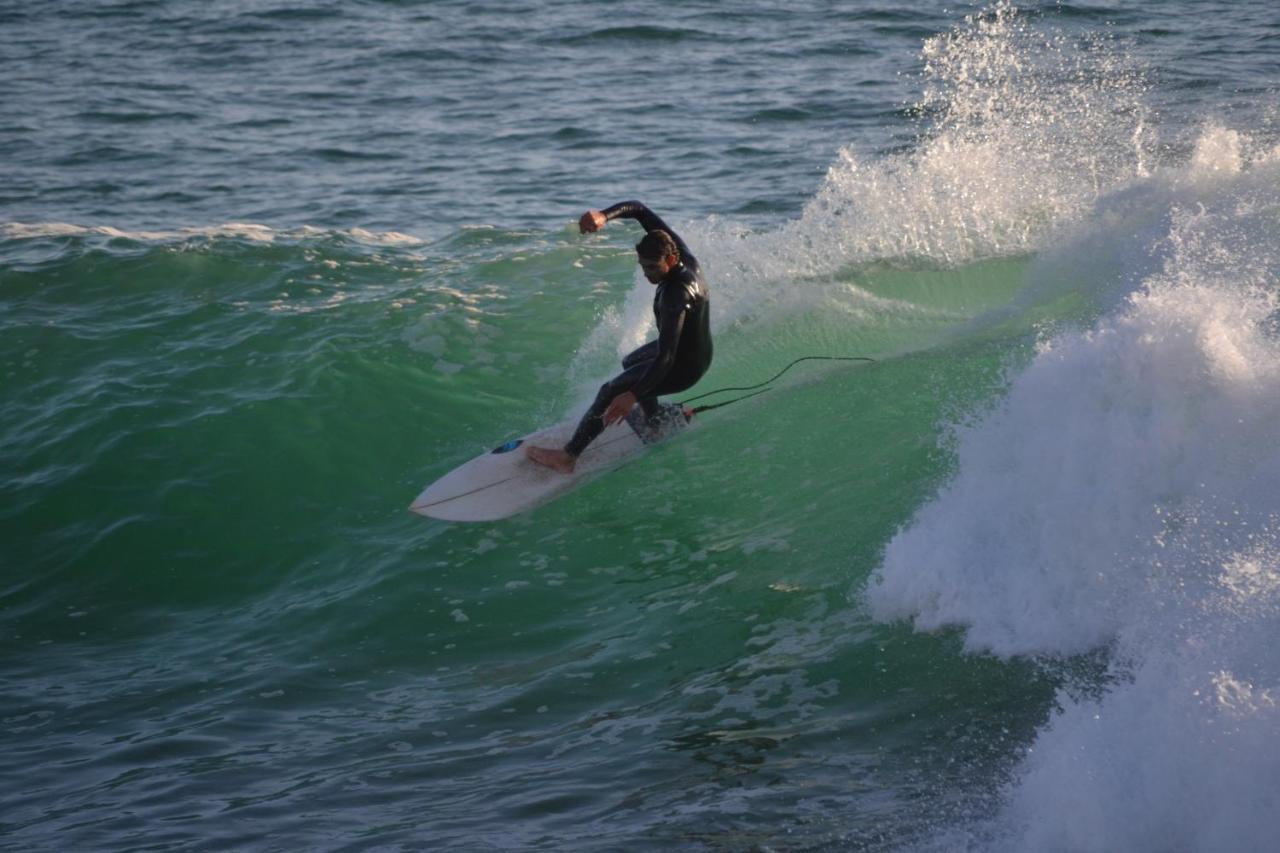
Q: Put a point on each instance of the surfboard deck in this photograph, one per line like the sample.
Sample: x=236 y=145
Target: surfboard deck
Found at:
x=505 y=482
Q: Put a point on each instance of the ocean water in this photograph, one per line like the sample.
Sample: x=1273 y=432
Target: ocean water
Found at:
x=267 y=268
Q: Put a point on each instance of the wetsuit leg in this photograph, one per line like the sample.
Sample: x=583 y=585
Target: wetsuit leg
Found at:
x=648 y=352
x=649 y=405
x=644 y=355
x=592 y=423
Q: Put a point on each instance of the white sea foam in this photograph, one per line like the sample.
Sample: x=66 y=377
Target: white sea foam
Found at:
x=1126 y=493
x=233 y=230
x=1028 y=129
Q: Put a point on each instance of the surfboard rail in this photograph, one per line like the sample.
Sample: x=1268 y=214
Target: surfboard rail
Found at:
x=504 y=482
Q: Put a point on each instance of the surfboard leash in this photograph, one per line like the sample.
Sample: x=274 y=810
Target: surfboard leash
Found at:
x=760 y=385
x=696 y=410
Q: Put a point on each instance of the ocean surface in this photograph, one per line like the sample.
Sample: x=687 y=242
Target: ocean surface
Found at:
x=269 y=267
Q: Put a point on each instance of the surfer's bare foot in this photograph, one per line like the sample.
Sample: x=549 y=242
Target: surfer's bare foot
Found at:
x=559 y=460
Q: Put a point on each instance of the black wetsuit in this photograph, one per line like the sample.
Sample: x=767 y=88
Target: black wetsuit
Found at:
x=682 y=352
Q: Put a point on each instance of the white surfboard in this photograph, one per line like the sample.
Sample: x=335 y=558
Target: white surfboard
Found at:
x=504 y=482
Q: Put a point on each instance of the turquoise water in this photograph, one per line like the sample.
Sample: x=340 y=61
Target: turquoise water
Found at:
x=266 y=270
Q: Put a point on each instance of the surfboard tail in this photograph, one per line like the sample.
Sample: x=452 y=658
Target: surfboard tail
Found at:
x=670 y=419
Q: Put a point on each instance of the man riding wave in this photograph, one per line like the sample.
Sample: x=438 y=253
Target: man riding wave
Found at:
x=672 y=363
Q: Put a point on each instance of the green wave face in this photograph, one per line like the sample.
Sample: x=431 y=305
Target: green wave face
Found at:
x=209 y=442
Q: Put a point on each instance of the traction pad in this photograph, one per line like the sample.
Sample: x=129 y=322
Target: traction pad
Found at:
x=669 y=420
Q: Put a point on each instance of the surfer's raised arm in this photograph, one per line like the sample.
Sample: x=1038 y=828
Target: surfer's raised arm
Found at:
x=594 y=220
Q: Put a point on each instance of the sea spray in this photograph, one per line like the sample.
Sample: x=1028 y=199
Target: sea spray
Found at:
x=1123 y=494
x=1021 y=129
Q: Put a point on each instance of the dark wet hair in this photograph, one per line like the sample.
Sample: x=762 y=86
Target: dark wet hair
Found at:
x=656 y=245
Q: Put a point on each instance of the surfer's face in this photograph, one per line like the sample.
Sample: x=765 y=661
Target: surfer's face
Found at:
x=656 y=269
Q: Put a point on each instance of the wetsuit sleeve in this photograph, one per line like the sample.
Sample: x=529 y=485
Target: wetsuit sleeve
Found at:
x=670 y=327
x=651 y=222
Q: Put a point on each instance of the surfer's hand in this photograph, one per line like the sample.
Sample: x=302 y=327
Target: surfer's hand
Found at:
x=619 y=408
x=591 y=221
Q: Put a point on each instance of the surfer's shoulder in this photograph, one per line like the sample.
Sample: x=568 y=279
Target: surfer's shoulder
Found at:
x=681 y=290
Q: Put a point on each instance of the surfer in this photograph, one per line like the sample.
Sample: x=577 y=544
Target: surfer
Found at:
x=672 y=363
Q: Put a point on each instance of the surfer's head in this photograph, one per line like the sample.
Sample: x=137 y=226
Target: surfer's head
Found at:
x=657 y=254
